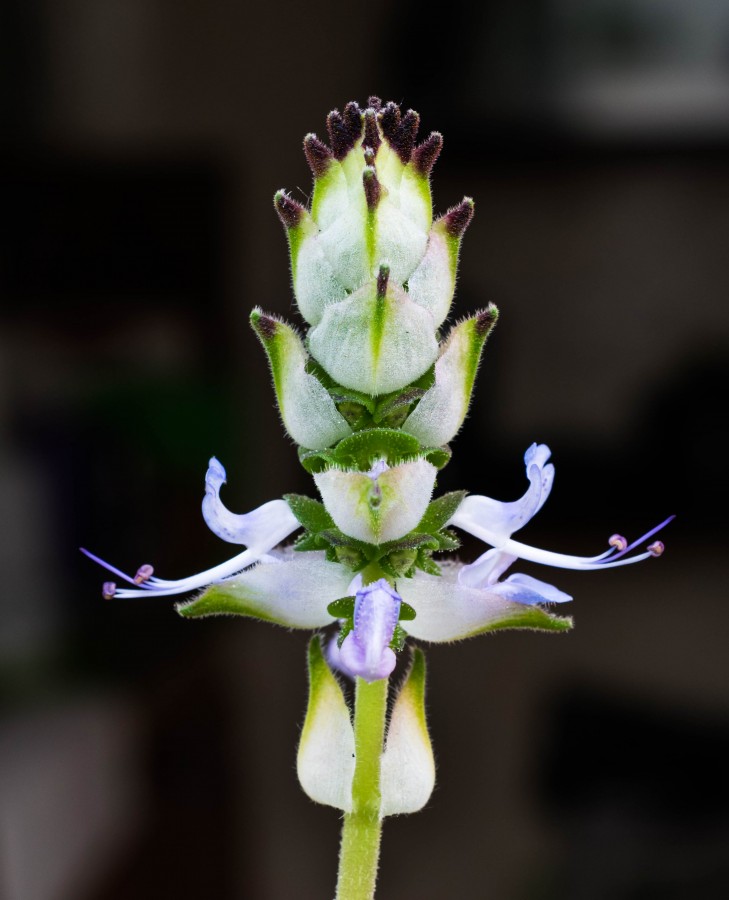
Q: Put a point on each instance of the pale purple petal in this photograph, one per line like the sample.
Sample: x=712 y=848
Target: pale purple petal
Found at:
x=487 y=569
x=366 y=650
x=494 y=521
x=525 y=589
x=266 y=526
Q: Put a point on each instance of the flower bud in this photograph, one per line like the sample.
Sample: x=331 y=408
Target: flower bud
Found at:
x=307 y=410
x=381 y=505
x=366 y=650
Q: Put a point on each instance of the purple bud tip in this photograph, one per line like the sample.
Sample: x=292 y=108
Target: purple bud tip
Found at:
x=408 y=132
x=618 y=541
x=486 y=319
x=344 y=130
x=458 y=219
x=374 y=102
x=264 y=326
x=383 y=276
x=400 y=131
x=656 y=548
x=318 y=155
x=371 y=131
x=289 y=211
x=144 y=573
x=108 y=589
x=353 y=118
x=425 y=155
x=390 y=121
x=372 y=187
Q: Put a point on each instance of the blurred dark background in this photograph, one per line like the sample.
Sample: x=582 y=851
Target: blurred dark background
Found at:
x=145 y=756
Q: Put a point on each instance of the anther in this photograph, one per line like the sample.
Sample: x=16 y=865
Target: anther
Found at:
x=656 y=548
x=108 y=589
x=617 y=541
x=144 y=573
x=369 y=155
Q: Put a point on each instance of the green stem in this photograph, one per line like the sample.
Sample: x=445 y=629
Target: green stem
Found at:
x=360 y=850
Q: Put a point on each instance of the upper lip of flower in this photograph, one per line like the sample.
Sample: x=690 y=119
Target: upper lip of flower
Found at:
x=260 y=530
x=494 y=522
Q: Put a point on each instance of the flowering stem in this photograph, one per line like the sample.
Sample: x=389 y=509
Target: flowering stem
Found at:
x=360 y=850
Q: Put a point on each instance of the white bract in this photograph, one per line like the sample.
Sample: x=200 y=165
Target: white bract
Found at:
x=380 y=505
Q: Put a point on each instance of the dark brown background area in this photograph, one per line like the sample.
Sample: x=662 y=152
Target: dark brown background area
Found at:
x=145 y=756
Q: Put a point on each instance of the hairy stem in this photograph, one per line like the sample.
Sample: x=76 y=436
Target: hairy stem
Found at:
x=360 y=849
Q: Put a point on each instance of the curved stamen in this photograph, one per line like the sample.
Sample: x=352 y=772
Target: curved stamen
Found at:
x=608 y=560
x=618 y=542
x=107 y=566
x=563 y=561
x=162 y=587
x=648 y=534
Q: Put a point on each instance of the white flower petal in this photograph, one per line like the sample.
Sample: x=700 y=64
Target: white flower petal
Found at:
x=486 y=570
x=494 y=521
x=264 y=527
x=525 y=589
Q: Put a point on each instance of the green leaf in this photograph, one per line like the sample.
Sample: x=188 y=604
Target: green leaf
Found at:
x=360 y=450
x=310 y=513
x=309 y=541
x=407 y=613
x=437 y=456
x=426 y=563
x=440 y=511
x=447 y=540
x=316 y=460
x=399 y=636
x=411 y=541
x=342 y=608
